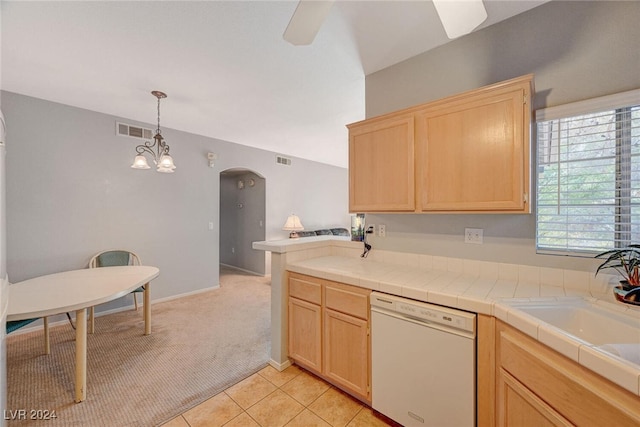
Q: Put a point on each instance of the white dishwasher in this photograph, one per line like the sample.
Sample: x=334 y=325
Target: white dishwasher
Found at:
x=423 y=362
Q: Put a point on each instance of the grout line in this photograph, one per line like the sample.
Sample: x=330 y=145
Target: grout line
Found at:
x=304 y=406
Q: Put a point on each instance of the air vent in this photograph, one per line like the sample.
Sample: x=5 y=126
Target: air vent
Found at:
x=283 y=161
x=123 y=129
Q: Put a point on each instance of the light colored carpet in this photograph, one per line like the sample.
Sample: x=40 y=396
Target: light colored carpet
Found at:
x=199 y=346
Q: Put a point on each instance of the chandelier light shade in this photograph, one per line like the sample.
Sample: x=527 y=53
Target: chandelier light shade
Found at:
x=158 y=149
x=293 y=225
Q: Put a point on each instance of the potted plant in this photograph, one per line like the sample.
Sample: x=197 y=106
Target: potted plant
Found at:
x=626 y=261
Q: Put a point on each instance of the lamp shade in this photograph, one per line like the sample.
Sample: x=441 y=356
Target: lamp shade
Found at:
x=140 y=162
x=166 y=161
x=293 y=224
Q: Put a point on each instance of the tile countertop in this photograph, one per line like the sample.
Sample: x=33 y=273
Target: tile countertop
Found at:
x=477 y=286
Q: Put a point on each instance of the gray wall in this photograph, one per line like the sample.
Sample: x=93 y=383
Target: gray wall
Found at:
x=71 y=193
x=242 y=221
x=576 y=49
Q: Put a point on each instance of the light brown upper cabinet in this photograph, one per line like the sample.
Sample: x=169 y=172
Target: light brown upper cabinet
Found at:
x=381 y=165
x=464 y=153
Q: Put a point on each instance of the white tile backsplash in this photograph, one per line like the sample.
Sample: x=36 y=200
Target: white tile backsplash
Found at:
x=471 y=267
x=576 y=280
x=489 y=270
x=551 y=276
x=439 y=263
x=425 y=261
x=551 y=291
x=528 y=274
x=508 y=272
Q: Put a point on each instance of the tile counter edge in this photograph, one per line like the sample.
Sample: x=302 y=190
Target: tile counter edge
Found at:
x=302 y=243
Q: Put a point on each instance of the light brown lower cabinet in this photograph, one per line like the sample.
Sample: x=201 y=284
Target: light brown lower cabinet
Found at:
x=519 y=406
x=305 y=333
x=346 y=351
x=329 y=332
x=536 y=386
x=305 y=321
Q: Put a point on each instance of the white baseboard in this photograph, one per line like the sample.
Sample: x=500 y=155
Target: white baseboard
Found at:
x=242 y=269
x=186 y=294
x=38 y=325
x=280 y=366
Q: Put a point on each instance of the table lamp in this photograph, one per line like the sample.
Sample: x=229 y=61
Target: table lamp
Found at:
x=293 y=225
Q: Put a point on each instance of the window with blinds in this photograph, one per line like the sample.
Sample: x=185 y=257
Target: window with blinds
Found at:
x=588 y=176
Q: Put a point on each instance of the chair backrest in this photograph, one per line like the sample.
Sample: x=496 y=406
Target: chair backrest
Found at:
x=114 y=258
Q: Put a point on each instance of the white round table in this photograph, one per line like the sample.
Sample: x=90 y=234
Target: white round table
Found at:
x=77 y=290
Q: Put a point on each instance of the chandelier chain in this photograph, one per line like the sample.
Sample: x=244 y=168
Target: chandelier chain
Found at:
x=158 y=129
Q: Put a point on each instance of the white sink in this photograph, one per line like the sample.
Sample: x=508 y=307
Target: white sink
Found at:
x=608 y=328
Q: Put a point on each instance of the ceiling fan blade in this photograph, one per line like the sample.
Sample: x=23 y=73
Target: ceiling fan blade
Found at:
x=306 y=21
x=460 y=17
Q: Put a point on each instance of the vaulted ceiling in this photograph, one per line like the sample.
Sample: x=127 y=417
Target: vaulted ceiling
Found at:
x=226 y=69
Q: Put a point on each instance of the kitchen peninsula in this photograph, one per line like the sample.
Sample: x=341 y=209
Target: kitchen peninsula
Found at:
x=488 y=289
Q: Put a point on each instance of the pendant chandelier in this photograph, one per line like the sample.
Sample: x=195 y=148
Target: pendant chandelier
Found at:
x=158 y=149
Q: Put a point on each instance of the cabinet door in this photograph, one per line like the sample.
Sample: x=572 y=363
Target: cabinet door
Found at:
x=473 y=152
x=346 y=352
x=573 y=391
x=305 y=334
x=381 y=165
x=518 y=406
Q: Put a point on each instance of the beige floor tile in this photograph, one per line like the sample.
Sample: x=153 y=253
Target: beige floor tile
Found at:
x=366 y=418
x=335 y=407
x=305 y=388
x=176 y=422
x=280 y=378
x=307 y=418
x=250 y=390
x=213 y=412
x=242 y=420
x=275 y=410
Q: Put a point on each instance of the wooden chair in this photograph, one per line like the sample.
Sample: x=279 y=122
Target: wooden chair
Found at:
x=113 y=258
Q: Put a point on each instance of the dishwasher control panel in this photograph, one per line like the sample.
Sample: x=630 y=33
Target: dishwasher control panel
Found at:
x=424 y=311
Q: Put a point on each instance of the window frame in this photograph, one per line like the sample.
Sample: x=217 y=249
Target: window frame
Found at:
x=622 y=104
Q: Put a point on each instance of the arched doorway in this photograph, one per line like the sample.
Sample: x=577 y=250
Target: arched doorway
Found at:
x=242 y=219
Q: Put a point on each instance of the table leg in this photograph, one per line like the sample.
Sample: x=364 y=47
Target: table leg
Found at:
x=81 y=355
x=47 y=342
x=147 y=310
x=92 y=323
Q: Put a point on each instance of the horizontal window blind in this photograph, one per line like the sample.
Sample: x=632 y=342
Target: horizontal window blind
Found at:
x=588 y=176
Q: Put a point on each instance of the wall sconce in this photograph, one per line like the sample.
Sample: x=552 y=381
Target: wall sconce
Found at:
x=293 y=225
x=240 y=184
x=212 y=157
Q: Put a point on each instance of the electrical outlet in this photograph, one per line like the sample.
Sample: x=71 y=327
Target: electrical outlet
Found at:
x=382 y=230
x=473 y=235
